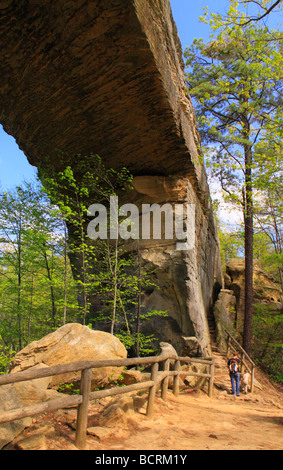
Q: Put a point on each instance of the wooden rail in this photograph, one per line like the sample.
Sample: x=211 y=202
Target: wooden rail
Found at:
x=232 y=344
x=157 y=379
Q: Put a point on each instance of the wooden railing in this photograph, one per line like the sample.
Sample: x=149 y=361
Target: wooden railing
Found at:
x=157 y=379
x=246 y=361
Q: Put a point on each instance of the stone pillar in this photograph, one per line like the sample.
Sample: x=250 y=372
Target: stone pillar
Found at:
x=185 y=278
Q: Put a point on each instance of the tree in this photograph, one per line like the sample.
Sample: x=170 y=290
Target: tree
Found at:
x=266 y=6
x=17 y=216
x=261 y=9
x=267 y=344
x=268 y=182
x=235 y=80
x=110 y=279
x=31 y=266
x=83 y=181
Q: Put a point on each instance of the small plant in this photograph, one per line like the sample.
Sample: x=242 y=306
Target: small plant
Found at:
x=6 y=357
x=69 y=389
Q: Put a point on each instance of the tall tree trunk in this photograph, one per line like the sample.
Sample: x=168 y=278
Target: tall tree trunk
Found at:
x=139 y=303
x=30 y=308
x=247 y=334
x=52 y=293
x=19 y=306
x=115 y=286
x=66 y=274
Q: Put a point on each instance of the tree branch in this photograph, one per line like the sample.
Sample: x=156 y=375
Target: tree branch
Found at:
x=273 y=6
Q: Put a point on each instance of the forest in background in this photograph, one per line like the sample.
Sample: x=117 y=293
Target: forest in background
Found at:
x=235 y=82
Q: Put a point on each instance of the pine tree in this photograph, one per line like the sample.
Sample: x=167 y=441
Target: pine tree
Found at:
x=235 y=81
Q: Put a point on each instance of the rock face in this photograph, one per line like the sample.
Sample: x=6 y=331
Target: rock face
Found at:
x=103 y=77
x=186 y=279
x=266 y=291
x=106 y=78
x=229 y=309
x=9 y=400
x=225 y=316
x=72 y=343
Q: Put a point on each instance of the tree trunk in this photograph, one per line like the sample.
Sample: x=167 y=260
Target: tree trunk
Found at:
x=52 y=293
x=247 y=334
x=66 y=274
x=19 y=317
x=115 y=288
x=139 y=304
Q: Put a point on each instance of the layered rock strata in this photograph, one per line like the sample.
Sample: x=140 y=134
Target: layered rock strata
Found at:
x=106 y=78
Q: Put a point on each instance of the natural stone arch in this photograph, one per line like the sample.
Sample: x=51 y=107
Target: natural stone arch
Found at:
x=106 y=78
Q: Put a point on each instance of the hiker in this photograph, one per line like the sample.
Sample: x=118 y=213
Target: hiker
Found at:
x=233 y=366
x=246 y=380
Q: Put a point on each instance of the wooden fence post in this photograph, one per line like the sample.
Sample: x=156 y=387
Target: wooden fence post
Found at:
x=152 y=390
x=211 y=380
x=252 y=378
x=82 y=414
x=242 y=362
x=176 y=379
x=228 y=346
x=164 y=383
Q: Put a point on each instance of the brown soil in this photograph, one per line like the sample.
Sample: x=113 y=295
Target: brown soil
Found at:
x=191 y=421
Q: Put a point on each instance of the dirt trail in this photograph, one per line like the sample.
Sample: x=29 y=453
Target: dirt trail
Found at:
x=191 y=421
x=199 y=423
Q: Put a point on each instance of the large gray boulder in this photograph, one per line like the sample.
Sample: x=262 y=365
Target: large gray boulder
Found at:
x=72 y=343
x=9 y=400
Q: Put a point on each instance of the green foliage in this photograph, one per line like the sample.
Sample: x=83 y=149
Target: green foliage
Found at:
x=32 y=267
x=131 y=337
x=69 y=389
x=236 y=83
x=40 y=289
x=254 y=11
x=83 y=181
x=6 y=357
x=110 y=280
x=267 y=344
x=231 y=244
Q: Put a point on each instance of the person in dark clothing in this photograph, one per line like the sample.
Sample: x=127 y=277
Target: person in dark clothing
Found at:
x=234 y=371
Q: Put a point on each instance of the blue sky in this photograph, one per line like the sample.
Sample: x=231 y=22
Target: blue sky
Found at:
x=14 y=167
x=186 y=14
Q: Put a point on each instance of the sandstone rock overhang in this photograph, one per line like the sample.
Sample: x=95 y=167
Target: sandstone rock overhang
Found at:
x=106 y=77
x=101 y=76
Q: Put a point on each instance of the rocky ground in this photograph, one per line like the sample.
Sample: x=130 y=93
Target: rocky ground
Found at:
x=191 y=421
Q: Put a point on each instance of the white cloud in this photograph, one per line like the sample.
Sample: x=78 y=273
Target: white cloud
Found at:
x=228 y=213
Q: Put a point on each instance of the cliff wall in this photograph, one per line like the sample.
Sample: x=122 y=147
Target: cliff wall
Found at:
x=106 y=77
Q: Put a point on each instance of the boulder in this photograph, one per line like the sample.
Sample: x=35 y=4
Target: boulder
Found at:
x=168 y=349
x=191 y=347
x=225 y=316
x=72 y=343
x=33 y=391
x=9 y=400
x=118 y=412
x=129 y=377
x=35 y=442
